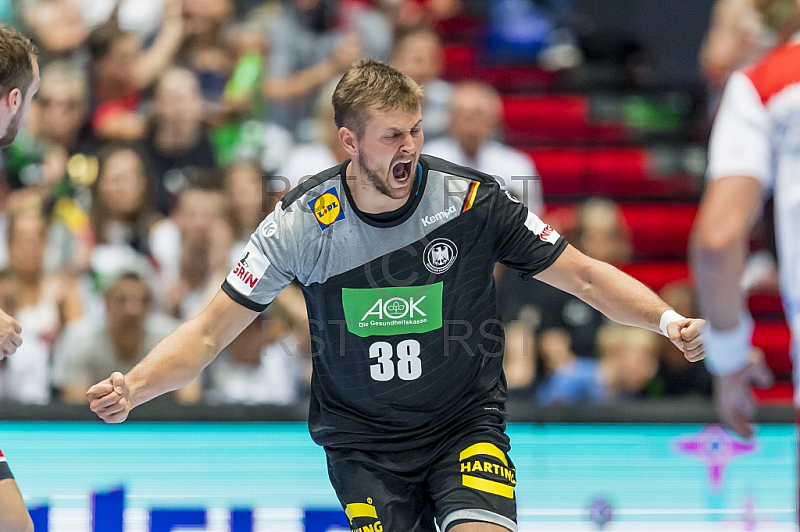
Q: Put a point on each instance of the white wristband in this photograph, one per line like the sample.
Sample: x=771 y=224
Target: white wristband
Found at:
x=668 y=317
x=728 y=351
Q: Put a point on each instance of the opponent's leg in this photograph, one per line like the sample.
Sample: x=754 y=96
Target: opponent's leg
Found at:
x=472 y=485
x=14 y=516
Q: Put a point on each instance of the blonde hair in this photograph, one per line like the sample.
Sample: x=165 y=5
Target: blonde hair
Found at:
x=610 y=337
x=368 y=84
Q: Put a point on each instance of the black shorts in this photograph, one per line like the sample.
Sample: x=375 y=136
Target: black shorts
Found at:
x=5 y=471
x=468 y=478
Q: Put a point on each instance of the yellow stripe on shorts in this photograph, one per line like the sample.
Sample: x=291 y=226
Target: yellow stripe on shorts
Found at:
x=359 y=509
x=489 y=486
x=488 y=449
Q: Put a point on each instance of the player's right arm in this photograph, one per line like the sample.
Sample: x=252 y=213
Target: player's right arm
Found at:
x=174 y=362
x=266 y=266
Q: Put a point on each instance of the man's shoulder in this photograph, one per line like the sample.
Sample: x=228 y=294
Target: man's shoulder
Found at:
x=314 y=185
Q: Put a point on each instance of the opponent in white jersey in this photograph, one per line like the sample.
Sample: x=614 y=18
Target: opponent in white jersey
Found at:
x=754 y=150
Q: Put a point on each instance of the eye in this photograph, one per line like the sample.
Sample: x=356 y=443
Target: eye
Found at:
x=415 y=131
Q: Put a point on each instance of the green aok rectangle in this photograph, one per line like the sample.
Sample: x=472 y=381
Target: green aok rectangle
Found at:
x=393 y=310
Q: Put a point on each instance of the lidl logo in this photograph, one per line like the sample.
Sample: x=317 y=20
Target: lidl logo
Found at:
x=392 y=311
x=327 y=208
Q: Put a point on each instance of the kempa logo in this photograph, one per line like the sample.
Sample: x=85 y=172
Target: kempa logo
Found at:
x=442 y=215
x=392 y=311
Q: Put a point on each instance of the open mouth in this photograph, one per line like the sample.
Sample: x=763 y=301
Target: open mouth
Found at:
x=401 y=170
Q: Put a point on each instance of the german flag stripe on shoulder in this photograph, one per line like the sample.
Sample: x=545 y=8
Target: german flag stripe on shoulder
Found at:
x=473 y=191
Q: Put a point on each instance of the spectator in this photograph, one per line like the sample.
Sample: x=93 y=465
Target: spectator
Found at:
x=180 y=246
x=178 y=145
x=418 y=53
x=24 y=377
x=628 y=358
x=675 y=377
x=58 y=28
x=569 y=378
x=263 y=365
x=45 y=303
x=600 y=234
x=121 y=206
x=243 y=188
x=519 y=359
x=307 y=159
x=306 y=53
x=142 y=17
x=60 y=112
x=476 y=113
x=126 y=333
x=204 y=51
x=121 y=70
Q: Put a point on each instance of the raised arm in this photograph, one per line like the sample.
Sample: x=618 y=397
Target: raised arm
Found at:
x=623 y=299
x=174 y=362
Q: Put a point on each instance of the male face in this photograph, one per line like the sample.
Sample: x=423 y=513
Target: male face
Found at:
x=474 y=115
x=419 y=56
x=63 y=112
x=17 y=105
x=389 y=150
x=128 y=304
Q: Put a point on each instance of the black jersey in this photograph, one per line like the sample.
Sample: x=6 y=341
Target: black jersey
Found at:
x=403 y=315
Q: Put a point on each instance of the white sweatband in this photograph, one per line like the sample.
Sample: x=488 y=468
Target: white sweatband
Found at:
x=668 y=317
x=728 y=351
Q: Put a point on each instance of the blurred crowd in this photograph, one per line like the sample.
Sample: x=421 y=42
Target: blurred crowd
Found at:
x=165 y=130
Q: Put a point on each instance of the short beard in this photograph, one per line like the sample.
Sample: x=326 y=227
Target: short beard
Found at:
x=373 y=177
x=11 y=130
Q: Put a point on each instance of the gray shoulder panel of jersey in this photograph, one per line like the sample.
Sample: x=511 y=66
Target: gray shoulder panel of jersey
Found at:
x=350 y=242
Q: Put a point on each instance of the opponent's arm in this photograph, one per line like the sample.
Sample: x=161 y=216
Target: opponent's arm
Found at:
x=174 y=362
x=621 y=297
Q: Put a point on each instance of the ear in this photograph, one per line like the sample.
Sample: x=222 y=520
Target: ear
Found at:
x=349 y=141
x=14 y=99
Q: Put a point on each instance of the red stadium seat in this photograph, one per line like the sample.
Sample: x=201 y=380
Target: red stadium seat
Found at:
x=460 y=62
x=774 y=339
x=781 y=393
x=660 y=231
x=656 y=275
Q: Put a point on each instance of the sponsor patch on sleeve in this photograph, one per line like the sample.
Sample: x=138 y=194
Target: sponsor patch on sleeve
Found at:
x=251 y=267
x=327 y=208
x=541 y=229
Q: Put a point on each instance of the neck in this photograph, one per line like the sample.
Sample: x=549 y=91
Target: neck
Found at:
x=127 y=340
x=365 y=196
x=176 y=137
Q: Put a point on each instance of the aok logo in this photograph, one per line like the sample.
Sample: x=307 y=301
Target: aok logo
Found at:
x=391 y=311
x=395 y=308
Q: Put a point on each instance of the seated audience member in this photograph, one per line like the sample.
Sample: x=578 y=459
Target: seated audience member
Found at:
x=476 y=113
x=570 y=379
x=179 y=246
x=24 y=377
x=676 y=375
x=58 y=28
x=203 y=50
x=121 y=70
x=307 y=159
x=60 y=111
x=121 y=207
x=600 y=234
x=129 y=329
x=45 y=303
x=306 y=52
x=418 y=53
x=246 y=202
x=631 y=356
x=263 y=365
x=178 y=145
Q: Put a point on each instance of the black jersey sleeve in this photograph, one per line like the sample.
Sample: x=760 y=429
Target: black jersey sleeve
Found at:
x=267 y=263
x=523 y=242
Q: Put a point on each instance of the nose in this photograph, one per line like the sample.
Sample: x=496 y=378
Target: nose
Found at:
x=408 y=145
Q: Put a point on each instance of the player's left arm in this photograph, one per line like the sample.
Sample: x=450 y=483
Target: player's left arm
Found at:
x=623 y=299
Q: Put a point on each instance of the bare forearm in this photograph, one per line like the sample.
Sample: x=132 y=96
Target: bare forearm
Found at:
x=173 y=363
x=718 y=271
x=152 y=62
x=621 y=297
x=300 y=84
